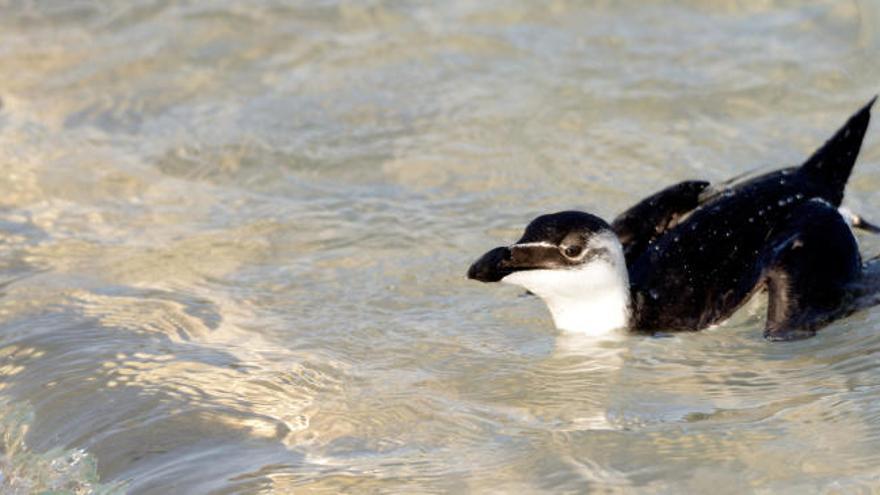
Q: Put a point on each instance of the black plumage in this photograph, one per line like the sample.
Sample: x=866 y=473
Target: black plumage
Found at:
x=695 y=253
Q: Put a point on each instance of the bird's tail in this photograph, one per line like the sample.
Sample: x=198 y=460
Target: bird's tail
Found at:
x=831 y=164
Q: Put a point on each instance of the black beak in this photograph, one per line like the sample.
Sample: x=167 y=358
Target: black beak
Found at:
x=492 y=266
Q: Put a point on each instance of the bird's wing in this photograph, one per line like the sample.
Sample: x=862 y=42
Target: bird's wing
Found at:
x=809 y=266
x=651 y=217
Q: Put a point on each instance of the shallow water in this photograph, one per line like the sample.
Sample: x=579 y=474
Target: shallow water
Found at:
x=234 y=237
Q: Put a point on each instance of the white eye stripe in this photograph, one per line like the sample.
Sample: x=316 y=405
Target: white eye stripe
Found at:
x=534 y=244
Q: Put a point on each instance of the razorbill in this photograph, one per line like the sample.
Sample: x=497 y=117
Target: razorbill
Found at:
x=689 y=255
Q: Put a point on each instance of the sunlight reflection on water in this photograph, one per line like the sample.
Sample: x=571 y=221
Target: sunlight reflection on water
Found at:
x=235 y=240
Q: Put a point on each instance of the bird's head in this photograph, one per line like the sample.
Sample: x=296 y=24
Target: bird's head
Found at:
x=573 y=261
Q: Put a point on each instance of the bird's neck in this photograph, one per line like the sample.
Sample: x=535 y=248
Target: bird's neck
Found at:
x=593 y=299
x=598 y=311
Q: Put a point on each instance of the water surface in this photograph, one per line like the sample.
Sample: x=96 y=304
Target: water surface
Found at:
x=234 y=237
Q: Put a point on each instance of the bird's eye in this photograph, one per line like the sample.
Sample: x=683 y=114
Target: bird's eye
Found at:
x=573 y=251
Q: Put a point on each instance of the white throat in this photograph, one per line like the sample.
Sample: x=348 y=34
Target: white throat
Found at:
x=590 y=299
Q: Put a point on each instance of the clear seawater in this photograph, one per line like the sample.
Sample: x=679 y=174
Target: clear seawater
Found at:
x=234 y=237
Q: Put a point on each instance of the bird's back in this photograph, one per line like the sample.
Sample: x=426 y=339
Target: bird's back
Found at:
x=705 y=267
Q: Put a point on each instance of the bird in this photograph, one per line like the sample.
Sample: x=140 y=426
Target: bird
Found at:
x=687 y=257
